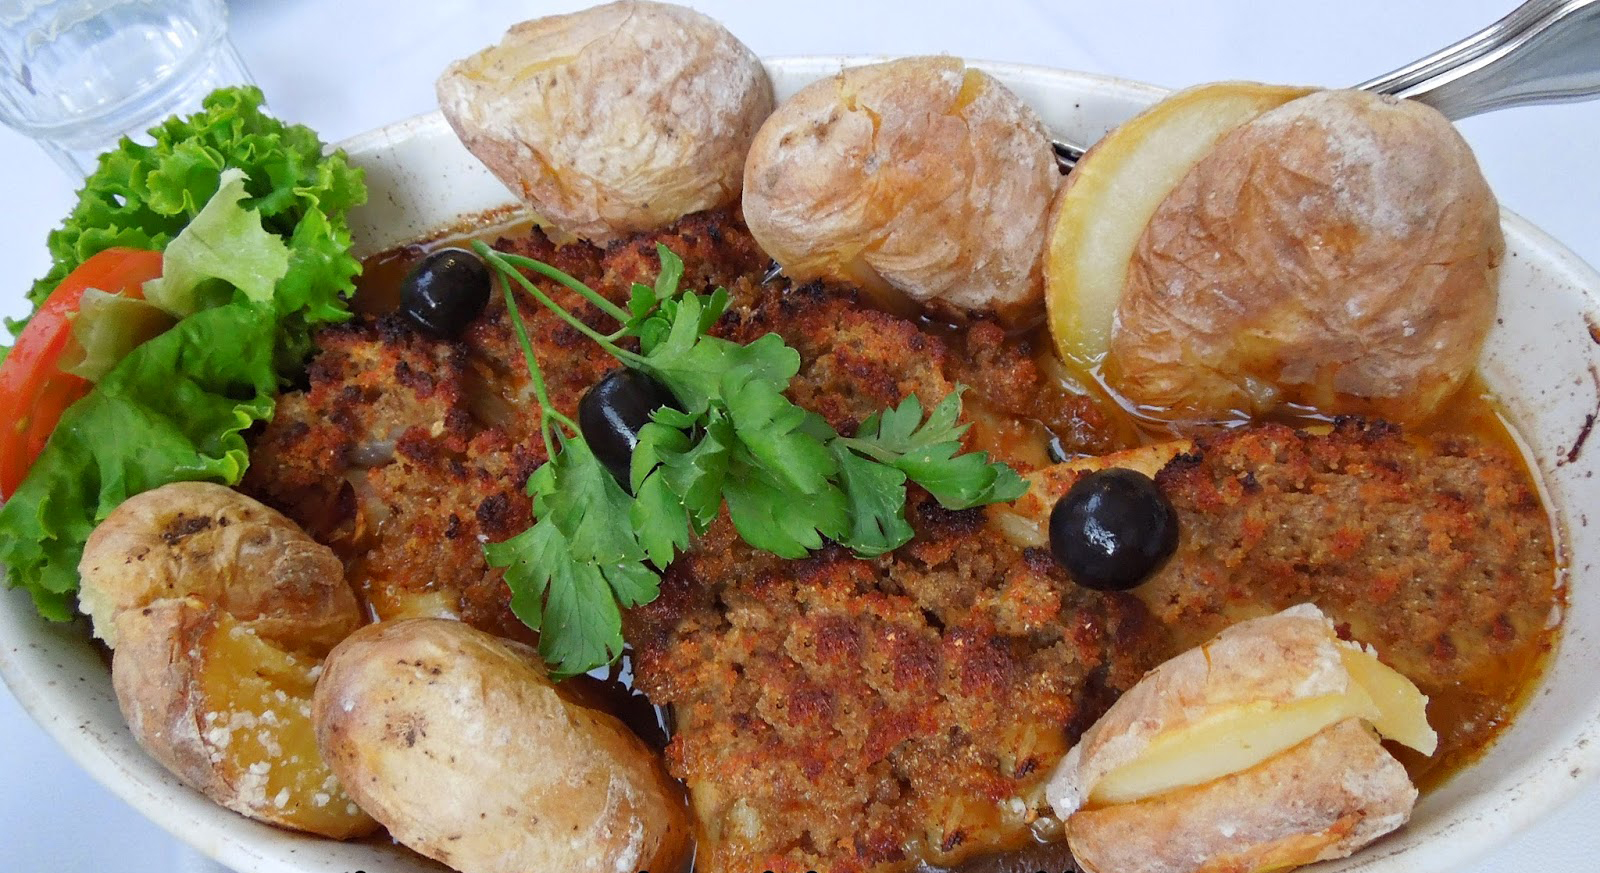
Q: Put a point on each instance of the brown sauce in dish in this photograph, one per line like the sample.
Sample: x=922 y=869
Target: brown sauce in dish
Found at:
x=446 y=475
x=1467 y=718
x=1469 y=713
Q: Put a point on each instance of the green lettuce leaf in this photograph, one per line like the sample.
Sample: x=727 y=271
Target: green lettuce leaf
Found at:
x=225 y=241
x=107 y=327
x=175 y=409
x=222 y=192
x=144 y=195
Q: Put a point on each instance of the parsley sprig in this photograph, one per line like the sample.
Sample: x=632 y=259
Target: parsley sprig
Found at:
x=788 y=479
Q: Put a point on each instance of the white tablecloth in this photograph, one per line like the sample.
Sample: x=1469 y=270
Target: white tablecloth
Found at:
x=356 y=64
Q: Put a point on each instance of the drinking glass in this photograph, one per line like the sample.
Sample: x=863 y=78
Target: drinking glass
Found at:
x=77 y=75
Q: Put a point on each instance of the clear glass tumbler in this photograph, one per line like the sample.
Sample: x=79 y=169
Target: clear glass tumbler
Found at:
x=76 y=75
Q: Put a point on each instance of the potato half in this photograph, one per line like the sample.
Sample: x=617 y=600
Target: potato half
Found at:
x=613 y=120
x=1319 y=800
x=229 y=713
x=458 y=742
x=920 y=176
x=209 y=542
x=1337 y=252
x=1102 y=211
x=1224 y=733
x=219 y=611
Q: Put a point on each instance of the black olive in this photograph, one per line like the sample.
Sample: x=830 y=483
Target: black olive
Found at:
x=614 y=410
x=1112 y=529
x=445 y=291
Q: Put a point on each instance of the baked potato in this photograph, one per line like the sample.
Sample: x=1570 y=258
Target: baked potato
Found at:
x=1108 y=199
x=1248 y=753
x=1337 y=252
x=1322 y=799
x=919 y=177
x=613 y=120
x=209 y=542
x=219 y=610
x=460 y=744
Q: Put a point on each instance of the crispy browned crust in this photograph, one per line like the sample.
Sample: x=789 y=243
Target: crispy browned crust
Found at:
x=411 y=527
x=1436 y=552
x=407 y=453
x=851 y=715
x=851 y=709
x=1322 y=799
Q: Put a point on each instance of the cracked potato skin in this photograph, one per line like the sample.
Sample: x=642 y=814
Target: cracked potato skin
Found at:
x=1339 y=251
x=1323 y=799
x=920 y=176
x=426 y=718
x=218 y=610
x=614 y=120
x=197 y=539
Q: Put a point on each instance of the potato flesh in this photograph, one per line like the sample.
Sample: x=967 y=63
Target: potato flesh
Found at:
x=256 y=705
x=1323 y=799
x=1113 y=193
x=1241 y=737
x=1229 y=742
x=1402 y=709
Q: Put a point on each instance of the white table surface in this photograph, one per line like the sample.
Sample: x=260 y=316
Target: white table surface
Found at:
x=344 y=67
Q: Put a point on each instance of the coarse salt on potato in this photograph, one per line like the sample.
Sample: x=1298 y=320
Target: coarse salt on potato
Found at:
x=229 y=713
x=1339 y=251
x=218 y=610
x=613 y=120
x=920 y=176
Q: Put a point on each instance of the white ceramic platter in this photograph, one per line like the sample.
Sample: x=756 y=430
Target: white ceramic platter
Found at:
x=1542 y=360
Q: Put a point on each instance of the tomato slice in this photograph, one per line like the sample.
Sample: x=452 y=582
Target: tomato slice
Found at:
x=33 y=389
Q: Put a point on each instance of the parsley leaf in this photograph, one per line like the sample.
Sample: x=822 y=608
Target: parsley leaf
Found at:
x=581 y=558
x=694 y=470
x=687 y=361
x=661 y=520
x=582 y=626
x=877 y=496
x=772 y=517
x=789 y=481
x=646 y=320
x=928 y=453
x=770 y=428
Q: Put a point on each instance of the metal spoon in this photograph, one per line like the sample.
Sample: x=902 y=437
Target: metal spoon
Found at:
x=1545 y=51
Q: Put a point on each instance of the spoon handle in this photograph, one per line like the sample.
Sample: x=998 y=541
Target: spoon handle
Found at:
x=1544 y=51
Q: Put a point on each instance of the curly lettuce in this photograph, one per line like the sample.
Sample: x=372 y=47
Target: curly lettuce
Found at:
x=175 y=409
x=250 y=215
x=144 y=195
